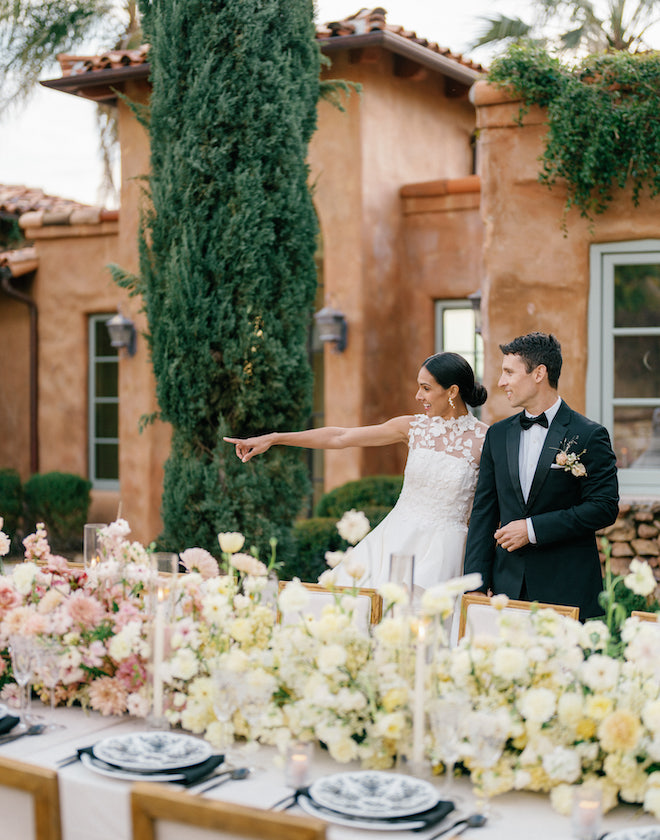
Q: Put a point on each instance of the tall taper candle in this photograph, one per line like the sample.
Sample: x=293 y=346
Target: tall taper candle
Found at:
x=158 y=655
x=418 y=696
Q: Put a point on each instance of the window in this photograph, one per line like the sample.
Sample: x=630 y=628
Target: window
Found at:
x=103 y=413
x=623 y=382
x=455 y=331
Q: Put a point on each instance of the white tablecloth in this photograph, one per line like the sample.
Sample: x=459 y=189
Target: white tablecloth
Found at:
x=94 y=807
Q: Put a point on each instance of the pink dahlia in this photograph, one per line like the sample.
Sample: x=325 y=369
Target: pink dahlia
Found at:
x=108 y=696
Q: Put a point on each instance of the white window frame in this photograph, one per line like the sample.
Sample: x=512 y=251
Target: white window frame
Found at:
x=457 y=303
x=600 y=401
x=93 y=401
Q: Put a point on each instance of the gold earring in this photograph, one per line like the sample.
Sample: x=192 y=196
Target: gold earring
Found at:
x=451 y=401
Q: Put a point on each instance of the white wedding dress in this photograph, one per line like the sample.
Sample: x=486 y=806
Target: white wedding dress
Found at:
x=430 y=517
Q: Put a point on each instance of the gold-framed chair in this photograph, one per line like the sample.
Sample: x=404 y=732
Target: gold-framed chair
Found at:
x=369 y=606
x=152 y=804
x=41 y=785
x=646 y=616
x=483 y=618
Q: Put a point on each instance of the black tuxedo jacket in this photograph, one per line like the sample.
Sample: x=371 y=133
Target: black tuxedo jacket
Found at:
x=563 y=566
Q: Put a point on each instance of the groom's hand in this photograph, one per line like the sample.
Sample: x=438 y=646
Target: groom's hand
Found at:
x=513 y=535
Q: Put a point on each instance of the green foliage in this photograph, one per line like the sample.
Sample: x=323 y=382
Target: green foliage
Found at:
x=603 y=131
x=312 y=538
x=374 y=493
x=11 y=235
x=227 y=257
x=60 y=501
x=11 y=505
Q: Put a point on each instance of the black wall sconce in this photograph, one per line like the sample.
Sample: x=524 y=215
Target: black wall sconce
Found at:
x=122 y=333
x=331 y=327
x=475 y=300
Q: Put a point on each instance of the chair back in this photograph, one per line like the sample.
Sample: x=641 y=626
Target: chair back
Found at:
x=177 y=815
x=479 y=616
x=369 y=609
x=29 y=801
x=646 y=616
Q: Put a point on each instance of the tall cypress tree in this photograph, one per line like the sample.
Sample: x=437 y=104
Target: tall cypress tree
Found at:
x=227 y=256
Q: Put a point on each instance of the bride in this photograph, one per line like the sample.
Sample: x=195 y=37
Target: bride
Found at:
x=430 y=517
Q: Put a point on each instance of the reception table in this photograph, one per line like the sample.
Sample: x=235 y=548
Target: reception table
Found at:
x=95 y=807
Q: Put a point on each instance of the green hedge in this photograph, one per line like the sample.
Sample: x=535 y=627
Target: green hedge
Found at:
x=11 y=506
x=60 y=501
x=374 y=491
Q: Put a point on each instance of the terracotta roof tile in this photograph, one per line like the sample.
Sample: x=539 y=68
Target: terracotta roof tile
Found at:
x=20 y=199
x=20 y=261
x=362 y=22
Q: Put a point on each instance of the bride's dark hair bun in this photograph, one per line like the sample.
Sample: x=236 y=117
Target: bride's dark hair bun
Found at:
x=451 y=369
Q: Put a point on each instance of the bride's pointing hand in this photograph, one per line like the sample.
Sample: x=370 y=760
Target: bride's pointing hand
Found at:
x=247 y=448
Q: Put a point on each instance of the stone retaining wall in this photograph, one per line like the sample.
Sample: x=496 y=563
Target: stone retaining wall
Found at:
x=635 y=534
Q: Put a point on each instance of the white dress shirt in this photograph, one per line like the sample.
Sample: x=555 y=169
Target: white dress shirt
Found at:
x=531 y=444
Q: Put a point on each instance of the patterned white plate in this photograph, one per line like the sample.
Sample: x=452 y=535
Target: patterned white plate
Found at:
x=647 y=832
x=115 y=773
x=374 y=794
x=148 y=751
x=355 y=822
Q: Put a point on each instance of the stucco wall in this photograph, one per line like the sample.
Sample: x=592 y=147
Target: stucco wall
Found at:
x=536 y=275
x=397 y=131
x=14 y=378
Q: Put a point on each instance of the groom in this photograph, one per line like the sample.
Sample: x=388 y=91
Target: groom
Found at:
x=547 y=483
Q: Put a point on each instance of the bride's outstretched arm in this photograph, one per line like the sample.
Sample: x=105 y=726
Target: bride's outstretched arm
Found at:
x=327 y=437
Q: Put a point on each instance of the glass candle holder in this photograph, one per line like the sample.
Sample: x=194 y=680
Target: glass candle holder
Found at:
x=587 y=812
x=298 y=764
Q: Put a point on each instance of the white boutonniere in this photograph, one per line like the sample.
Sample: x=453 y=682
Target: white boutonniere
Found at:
x=570 y=461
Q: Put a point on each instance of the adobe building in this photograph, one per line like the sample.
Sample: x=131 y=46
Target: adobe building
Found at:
x=416 y=216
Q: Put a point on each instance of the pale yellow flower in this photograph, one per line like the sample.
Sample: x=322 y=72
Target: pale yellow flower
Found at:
x=231 y=541
x=620 y=730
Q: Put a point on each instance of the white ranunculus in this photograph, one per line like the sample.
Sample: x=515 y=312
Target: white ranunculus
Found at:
x=231 y=541
x=353 y=526
x=393 y=593
x=331 y=657
x=509 y=663
x=537 y=705
x=328 y=579
x=184 y=664
x=334 y=558
x=562 y=765
x=600 y=673
x=641 y=579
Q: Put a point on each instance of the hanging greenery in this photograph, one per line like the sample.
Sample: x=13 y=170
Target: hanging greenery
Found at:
x=603 y=121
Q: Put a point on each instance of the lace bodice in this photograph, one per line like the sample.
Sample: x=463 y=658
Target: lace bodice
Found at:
x=462 y=437
x=441 y=471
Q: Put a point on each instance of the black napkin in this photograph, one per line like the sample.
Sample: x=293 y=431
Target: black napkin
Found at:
x=191 y=775
x=7 y=723
x=429 y=818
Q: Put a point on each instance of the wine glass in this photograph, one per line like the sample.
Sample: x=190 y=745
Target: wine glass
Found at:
x=21 y=651
x=49 y=669
x=445 y=715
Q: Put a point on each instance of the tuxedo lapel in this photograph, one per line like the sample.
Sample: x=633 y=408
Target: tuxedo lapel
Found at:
x=556 y=434
x=512 y=457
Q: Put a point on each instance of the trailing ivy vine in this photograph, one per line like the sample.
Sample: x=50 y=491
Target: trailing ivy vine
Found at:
x=603 y=121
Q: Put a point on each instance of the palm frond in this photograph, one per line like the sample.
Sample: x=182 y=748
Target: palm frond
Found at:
x=502 y=28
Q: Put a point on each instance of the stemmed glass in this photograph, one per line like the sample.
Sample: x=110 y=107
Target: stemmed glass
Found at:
x=445 y=715
x=22 y=652
x=487 y=735
x=224 y=695
x=49 y=669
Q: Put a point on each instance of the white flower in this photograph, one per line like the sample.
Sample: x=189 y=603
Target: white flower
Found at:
x=600 y=673
x=353 y=526
x=465 y=583
x=538 y=705
x=651 y=716
x=184 y=664
x=393 y=593
x=353 y=567
x=328 y=579
x=562 y=765
x=641 y=580
x=231 y=541
x=438 y=600
x=334 y=558
x=23 y=577
x=330 y=658
x=509 y=663
x=595 y=635
x=294 y=597
x=5 y=543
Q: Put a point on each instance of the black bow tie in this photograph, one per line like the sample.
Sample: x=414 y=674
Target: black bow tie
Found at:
x=527 y=422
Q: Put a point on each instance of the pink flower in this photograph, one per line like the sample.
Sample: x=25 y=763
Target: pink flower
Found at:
x=57 y=564
x=126 y=612
x=108 y=696
x=10 y=695
x=248 y=564
x=9 y=597
x=14 y=622
x=93 y=655
x=200 y=560
x=132 y=673
x=85 y=610
x=35 y=625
